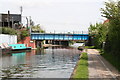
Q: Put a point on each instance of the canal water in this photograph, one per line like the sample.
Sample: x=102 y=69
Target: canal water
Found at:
x=53 y=62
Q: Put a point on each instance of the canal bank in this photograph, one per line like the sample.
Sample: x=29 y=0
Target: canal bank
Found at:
x=96 y=67
x=81 y=69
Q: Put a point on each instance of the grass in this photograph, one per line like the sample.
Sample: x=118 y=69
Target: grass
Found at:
x=112 y=59
x=81 y=70
x=90 y=47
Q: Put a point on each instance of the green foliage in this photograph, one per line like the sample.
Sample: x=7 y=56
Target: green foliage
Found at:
x=71 y=42
x=112 y=59
x=98 y=33
x=109 y=33
x=42 y=31
x=7 y=30
x=82 y=68
x=90 y=47
x=37 y=29
x=112 y=12
x=24 y=34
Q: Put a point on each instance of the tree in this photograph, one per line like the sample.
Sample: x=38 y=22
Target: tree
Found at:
x=112 y=46
x=24 y=34
x=109 y=33
x=112 y=12
x=37 y=29
x=98 y=33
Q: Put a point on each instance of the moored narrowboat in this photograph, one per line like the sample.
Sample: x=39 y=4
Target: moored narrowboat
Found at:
x=16 y=47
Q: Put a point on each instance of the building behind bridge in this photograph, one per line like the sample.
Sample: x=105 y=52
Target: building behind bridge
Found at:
x=10 y=20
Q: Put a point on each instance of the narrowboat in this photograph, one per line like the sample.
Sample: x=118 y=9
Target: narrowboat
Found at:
x=16 y=47
x=4 y=48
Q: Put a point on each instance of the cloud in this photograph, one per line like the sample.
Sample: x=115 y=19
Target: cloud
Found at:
x=57 y=14
x=25 y=3
x=31 y=3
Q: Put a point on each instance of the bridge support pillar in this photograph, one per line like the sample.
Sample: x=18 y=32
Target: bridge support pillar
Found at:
x=39 y=43
x=65 y=43
x=46 y=42
x=60 y=43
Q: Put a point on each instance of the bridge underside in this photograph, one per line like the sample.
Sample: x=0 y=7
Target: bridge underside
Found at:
x=59 y=37
x=54 y=42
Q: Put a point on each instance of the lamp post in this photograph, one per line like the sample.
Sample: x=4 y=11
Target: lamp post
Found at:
x=27 y=22
x=8 y=18
x=21 y=10
x=103 y=45
x=12 y=22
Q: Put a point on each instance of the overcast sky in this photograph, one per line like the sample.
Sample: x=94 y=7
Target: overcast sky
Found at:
x=58 y=15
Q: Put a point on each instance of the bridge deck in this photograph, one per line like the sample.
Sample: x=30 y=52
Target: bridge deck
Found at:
x=51 y=36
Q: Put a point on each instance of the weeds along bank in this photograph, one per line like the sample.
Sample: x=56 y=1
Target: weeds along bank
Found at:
x=81 y=69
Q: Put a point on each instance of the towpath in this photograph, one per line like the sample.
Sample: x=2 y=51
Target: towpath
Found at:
x=99 y=68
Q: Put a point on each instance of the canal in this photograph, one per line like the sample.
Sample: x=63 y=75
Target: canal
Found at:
x=53 y=62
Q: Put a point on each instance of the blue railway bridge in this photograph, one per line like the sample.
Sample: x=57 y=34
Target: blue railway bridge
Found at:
x=66 y=37
x=57 y=38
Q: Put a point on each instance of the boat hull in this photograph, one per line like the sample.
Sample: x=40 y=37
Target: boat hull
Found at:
x=21 y=49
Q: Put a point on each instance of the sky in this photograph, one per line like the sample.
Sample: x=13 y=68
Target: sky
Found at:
x=57 y=15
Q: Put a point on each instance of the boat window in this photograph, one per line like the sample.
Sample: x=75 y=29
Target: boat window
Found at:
x=14 y=46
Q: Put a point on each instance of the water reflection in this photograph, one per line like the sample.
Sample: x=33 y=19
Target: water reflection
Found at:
x=18 y=58
x=54 y=62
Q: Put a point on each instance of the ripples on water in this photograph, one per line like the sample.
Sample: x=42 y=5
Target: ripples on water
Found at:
x=53 y=62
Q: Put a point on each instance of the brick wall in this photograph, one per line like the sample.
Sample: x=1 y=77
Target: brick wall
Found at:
x=28 y=42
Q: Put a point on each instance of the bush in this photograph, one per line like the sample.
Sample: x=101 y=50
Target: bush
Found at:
x=7 y=30
x=98 y=33
x=112 y=12
x=24 y=34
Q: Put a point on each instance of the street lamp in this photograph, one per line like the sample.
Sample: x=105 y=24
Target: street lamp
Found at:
x=27 y=22
x=12 y=22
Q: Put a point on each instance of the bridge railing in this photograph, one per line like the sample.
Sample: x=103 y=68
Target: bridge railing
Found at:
x=60 y=36
x=66 y=32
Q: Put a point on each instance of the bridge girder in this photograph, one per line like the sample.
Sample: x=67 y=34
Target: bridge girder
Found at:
x=62 y=37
